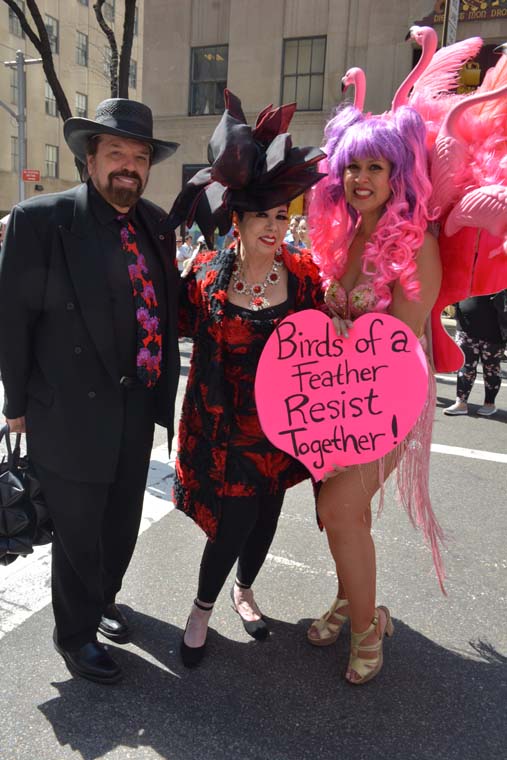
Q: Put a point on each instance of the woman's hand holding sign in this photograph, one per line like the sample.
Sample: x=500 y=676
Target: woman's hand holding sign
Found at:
x=342 y=326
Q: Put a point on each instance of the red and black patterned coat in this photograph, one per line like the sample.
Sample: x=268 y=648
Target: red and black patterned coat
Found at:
x=222 y=450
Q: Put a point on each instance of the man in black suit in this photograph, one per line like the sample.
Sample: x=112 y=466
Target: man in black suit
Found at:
x=89 y=361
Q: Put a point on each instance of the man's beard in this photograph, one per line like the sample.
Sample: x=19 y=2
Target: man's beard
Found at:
x=123 y=197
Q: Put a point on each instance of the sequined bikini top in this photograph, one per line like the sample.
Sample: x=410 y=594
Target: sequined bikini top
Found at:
x=360 y=300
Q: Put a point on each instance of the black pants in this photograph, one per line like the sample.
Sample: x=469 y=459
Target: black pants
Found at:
x=96 y=527
x=246 y=531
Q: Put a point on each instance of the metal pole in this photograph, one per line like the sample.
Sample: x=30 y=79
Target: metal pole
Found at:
x=20 y=73
x=451 y=20
x=445 y=28
x=19 y=65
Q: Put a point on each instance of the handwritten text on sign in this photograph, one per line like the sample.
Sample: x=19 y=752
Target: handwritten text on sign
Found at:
x=331 y=400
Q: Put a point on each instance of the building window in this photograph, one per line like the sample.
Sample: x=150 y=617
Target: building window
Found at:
x=208 y=79
x=136 y=21
x=52 y=27
x=303 y=72
x=51 y=161
x=133 y=74
x=14 y=87
x=14 y=22
x=81 y=105
x=82 y=49
x=108 y=10
x=50 y=101
x=107 y=62
x=14 y=153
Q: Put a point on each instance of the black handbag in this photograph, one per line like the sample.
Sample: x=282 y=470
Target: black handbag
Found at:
x=24 y=518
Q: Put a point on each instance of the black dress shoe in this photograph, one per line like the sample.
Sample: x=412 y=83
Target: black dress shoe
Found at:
x=91 y=661
x=114 y=625
x=255 y=628
x=192 y=656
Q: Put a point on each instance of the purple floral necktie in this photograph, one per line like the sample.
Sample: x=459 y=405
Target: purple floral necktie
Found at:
x=149 y=338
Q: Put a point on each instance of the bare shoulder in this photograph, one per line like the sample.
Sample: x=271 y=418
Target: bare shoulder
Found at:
x=429 y=275
x=428 y=257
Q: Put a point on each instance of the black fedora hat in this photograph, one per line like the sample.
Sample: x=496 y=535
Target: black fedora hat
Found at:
x=117 y=116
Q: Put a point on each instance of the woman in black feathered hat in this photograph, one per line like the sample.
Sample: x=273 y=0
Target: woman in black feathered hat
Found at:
x=229 y=478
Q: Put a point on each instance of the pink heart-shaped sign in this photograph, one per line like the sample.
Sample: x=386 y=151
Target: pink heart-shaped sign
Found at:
x=330 y=400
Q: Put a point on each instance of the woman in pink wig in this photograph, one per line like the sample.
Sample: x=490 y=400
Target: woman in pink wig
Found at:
x=368 y=222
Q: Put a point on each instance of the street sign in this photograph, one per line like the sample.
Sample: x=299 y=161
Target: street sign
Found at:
x=30 y=175
x=451 y=22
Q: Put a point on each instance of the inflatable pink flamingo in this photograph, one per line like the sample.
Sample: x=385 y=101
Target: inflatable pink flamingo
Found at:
x=459 y=162
x=357 y=78
x=450 y=166
x=453 y=153
x=427 y=38
x=476 y=227
x=432 y=82
x=485 y=207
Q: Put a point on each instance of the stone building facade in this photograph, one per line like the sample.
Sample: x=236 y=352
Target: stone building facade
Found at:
x=80 y=57
x=273 y=51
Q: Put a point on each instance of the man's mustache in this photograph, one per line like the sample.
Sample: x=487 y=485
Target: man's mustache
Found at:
x=131 y=175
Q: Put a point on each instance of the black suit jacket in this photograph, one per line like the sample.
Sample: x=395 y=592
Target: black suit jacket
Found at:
x=57 y=351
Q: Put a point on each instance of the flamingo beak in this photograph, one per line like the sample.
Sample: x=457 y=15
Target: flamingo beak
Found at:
x=501 y=49
x=408 y=34
x=344 y=86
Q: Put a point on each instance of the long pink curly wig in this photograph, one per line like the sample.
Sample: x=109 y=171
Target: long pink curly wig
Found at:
x=392 y=250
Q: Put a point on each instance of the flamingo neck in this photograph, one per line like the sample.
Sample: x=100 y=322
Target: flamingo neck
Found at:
x=359 y=89
x=428 y=51
x=357 y=78
x=452 y=118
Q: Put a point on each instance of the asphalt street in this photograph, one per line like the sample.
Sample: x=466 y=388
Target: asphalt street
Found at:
x=441 y=695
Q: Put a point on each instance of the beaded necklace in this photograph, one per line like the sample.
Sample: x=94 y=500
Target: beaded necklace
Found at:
x=256 y=290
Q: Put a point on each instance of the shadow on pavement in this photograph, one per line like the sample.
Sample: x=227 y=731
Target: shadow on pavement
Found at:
x=284 y=700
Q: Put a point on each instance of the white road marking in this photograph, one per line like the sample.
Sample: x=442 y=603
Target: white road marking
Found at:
x=289 y=562
x=25 y=585
x=298 y=566
x=478 y=380
x=458 y=451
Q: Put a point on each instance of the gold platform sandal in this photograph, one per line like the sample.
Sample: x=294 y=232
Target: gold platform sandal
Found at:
x=367 y=669
x=328 y=627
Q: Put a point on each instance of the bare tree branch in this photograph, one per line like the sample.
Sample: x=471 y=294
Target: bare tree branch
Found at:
x=15 y=8
x=113 y=66
x=44 y=48
x=119 y=67
x=41 y=42
x=126 y=48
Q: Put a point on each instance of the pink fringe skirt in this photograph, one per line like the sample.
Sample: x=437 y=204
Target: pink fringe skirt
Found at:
x=412 y=470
